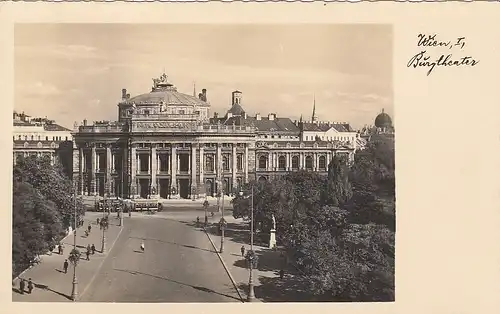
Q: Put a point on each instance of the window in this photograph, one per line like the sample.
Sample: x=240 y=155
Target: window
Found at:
x=209 y=163
x=295 y=162
x=322 y=162
x=309 y=163
x=66 y=138
x=32 y=137
x=282 y=162
x=19 y=137
x=146 y=112
x=239 y=162
x=263 y=162
x=46 y=138
x=181 y=111
x=225 y=163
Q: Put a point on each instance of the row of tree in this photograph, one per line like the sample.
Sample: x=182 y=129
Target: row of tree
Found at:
x=43 y=208
x=339 y=230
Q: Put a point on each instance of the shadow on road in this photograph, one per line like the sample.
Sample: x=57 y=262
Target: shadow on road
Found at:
x=174 y=243
x=204 y=289
x=288 y=289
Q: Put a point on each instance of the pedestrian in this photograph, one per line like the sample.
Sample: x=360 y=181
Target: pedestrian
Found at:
x=30 y=286
x=97 y=220
x=93 y=249
x=282 y=274
x=243 y=251
x=60 y=248
x=88 y=255
x=142 y=246
x=89 y=228
x=198 y=220
x=21 y=286
x=206 y=220
x=65 y=265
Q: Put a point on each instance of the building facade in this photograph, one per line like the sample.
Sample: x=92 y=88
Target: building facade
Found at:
x=41 y=137
x=165 y=144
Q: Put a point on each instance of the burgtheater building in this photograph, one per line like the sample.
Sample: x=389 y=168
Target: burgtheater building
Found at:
x=166 y=144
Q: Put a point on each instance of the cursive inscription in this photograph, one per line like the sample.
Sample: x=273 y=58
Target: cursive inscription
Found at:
x=426 y=59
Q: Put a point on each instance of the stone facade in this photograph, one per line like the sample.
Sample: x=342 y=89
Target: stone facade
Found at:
x=165 y=146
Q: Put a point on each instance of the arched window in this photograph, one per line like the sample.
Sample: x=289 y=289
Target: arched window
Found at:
x=295 y=162
x=209 y=163
x=263 y=162
x=309 y=163
x=262 y=179
x=322 y=163
x=225 y=162
x=282 y=163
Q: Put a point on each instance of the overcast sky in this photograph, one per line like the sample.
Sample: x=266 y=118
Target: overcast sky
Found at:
x=69 y=72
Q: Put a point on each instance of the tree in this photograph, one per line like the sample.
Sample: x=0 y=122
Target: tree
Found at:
x=51 y=182
x=338 y=189
x=36 y=225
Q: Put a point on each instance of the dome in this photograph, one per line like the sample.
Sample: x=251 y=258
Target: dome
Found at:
x=164 y=92
x=383 y=120
x=168 y=97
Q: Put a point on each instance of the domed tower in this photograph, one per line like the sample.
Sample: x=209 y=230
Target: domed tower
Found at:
x=383 y=122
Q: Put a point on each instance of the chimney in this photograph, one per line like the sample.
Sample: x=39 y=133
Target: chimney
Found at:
x=216 y=115
x=124 y=93
x=271 y=116
x=257 y=117
x=229 y=115
x=128 y=96
x=84 y=122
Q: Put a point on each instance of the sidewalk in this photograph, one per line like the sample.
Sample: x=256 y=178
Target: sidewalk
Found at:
x=268 y=287
x=51 y=283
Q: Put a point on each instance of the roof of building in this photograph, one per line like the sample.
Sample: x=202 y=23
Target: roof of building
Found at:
x=264 y=124
x=323 y=127
x=54 y=127
x=168 y=97
x=383 y=120
x=166 y=93
x=236 y=110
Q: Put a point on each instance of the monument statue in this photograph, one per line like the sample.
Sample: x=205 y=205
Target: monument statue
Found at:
x=274 y=222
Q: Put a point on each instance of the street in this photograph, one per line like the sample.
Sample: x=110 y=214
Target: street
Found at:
x=178 y=265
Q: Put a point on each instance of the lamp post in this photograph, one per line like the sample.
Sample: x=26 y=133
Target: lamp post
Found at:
x=222 y=221
x=251 y=292
x=74 y=291
x=104 y=223
x=205 y=205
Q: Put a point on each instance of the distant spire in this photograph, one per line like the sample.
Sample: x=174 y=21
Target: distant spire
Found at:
x=300 y=118
x=314 y=118
x=194 y=89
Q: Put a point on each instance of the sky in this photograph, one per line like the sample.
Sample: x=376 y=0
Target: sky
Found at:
x=71 y=72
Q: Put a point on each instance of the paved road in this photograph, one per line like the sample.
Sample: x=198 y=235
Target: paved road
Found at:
x=178 y=265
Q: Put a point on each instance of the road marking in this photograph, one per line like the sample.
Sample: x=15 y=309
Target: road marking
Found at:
x=225 y=267
x=102 y=263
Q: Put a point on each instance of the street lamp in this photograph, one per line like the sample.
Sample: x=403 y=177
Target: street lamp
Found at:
x=222 y=220
x=205 y=205
x=104 y=223
x=251 y=254
x=74 y=291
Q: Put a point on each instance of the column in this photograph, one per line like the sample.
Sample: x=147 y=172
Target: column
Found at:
x=301 y=160
x=113 y=154
x=173 y=176
x=234 y=164
x=153 y=161
x=193 y=169
x=245 y=160
x=107 y=186
x=81 y=165
x=133 y=171
x=149 y=162
x=93 y=186
x=218 y=162
x=202 y=165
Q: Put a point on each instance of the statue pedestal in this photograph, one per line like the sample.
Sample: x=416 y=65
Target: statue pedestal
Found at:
x=272 y=239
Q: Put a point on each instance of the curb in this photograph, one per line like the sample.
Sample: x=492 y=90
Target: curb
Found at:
x=225 y=267
x=100 y=265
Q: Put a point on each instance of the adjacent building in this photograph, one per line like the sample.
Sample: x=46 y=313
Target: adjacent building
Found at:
x=166 y=144
x=41 y=137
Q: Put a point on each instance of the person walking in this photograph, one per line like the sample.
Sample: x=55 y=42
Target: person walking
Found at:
x=282 y=274
x=30 y=286
x=89 y=228
x=98 y=221
x=243 y=251
x=21 y=285
x=88 y=252
x=142 y=246
x=198 y=221
x=65 y=266
x=61 y=248
x=93 y=249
